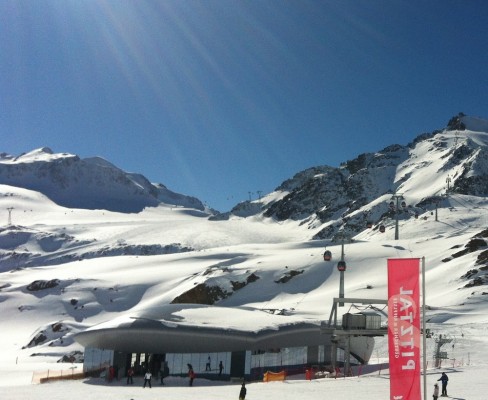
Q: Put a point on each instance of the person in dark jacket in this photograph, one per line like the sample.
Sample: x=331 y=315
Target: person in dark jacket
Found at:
x=444 y=379
x=221 y=367
x=242 y=393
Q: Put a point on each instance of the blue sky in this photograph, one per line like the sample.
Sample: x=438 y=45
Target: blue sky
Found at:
x=220 y=98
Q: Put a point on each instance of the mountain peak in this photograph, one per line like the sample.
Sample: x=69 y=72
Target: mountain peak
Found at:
x=463 y=122
x=91 y=183
x=43 y=154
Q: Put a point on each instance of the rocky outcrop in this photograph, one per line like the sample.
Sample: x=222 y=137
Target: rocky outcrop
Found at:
x=211 y=293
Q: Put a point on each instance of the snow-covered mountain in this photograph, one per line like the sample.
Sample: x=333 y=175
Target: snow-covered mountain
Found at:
x=74 y=253
x=91 y=183
x=346 y=198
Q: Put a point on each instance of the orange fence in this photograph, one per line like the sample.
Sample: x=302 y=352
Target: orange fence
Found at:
x=55 y=375
x=274 y=376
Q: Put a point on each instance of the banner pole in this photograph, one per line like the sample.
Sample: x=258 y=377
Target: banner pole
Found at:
x=424 y=340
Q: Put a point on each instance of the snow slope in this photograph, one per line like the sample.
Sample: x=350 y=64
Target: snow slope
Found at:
x=109 y=287
x=64 y=269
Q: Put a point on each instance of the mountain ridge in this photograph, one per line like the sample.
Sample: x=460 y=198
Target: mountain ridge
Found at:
x=95 y=183
x=66 y=269
x=90 y=183
x=321 y=194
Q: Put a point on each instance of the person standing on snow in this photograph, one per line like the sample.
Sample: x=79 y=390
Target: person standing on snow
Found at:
x=221 y=367
x=436 y=392
x=130 y=374
x=147 y=379
x=111 y=373
x=191 y=374
x=444 y=379
x=242 y=393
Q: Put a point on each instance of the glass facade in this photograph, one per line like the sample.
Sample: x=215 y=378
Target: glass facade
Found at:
x=290 y=356
x=97 y=360
x=177 y=363
x=250 y=364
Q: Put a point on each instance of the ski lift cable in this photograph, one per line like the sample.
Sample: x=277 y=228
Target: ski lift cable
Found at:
x=458 y=201
x=379 y=310
x=467 y=203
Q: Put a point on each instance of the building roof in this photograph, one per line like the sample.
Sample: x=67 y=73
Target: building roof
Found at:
x=192 y=328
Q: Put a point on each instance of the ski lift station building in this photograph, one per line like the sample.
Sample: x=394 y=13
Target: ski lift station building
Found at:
x=248 y=341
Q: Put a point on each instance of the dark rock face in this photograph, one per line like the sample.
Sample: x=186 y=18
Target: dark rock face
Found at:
x=483 y=258
x=42 y=285
x=202 y=294
x=74 y=356
x=207 y=293
x=51 y=335
x=456 y=124
x=38 y=339
x=475 y=276
x=322 y=194
x=290 y=274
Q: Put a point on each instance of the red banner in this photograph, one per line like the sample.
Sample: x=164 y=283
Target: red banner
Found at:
x=404 y=328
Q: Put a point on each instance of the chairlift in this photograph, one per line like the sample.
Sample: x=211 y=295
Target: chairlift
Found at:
x=404 y=205
x=327 y=255
x=392 y=205
x=382 y=228
x=369 y=224
x=341 y=266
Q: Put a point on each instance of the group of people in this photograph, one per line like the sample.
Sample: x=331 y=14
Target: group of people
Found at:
x=148 y=375
x=208 y=366
x=165 y=372
x=191 y=376
x=444 y=379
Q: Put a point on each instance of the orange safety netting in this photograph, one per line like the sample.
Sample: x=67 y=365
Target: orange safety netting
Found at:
x=274 y=376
